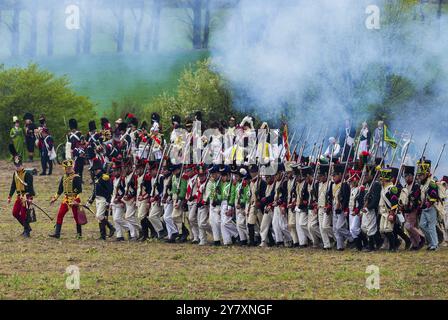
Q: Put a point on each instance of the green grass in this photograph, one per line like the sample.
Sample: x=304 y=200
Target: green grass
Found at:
x=105 y=78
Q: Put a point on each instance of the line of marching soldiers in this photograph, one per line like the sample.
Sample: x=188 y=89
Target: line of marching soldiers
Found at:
x=303 y=202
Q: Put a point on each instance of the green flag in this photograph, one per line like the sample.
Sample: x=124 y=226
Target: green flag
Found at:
x=388 y=138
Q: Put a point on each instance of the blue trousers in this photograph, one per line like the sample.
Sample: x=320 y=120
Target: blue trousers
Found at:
x=428 y=222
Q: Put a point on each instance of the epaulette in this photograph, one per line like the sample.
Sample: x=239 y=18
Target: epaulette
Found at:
x=394 y=190
x=105 y=177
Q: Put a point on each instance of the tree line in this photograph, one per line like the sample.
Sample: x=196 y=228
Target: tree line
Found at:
x=197 y=15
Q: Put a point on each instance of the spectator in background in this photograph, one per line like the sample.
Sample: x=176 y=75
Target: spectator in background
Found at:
x=30 y=138
x=46 y=145
x=17 y=135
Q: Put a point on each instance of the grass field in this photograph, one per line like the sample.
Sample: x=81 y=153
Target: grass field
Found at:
x=35 y=268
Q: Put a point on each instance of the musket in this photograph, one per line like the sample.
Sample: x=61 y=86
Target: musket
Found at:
x=88 y=209
x=153 y=187
x=420 y=159
x=35 y=205
x=438 y=160
x=183 y=161
x=329 y=168
x=303 y=146
x=346 y=163
x=396 y=151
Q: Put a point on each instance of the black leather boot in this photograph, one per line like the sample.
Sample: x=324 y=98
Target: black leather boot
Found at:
x=57 y=231
x=102 y=226
x=251 y=229
x=111 y=229
x=78 y=231
x=185 y=233
x=358 y=243
x=392 y=243
x=371 y=244
x=26 y=229
x=153 y=233
x=145 y=231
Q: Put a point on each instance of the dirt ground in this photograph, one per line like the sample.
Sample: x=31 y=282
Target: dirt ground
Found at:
x=36 y=268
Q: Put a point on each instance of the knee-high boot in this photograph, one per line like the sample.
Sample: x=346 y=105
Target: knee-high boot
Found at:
x=392 y=243
x=102 y=227
x=79 y=231
x=251 y=229
x=57 y=231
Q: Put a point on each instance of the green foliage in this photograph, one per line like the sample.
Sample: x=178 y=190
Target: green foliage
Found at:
x=199 y=89
x=37 y=91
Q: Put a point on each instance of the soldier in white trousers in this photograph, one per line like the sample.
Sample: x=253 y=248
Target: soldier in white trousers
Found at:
x=215 y=205
x=268 y=212
x=303 y=196
x=156 y=210
x=242 y=196
x=324 y=208
x=117 y=205
x=192 y=205
x=202 y=201
x=292 y=181
x=227 y=196
x=280 y=219
x=340 y=197
x=313 y=210
x=129 y=200
x=167 y=203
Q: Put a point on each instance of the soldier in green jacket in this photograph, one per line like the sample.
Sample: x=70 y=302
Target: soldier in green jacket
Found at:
x=240 y=200
x=178 y=191
x=227 y=197
x=214 y=199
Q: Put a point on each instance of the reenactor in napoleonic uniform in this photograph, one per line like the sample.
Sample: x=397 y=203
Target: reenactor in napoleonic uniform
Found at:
x=156 y=207
x=73 y=138
x=203 y=207
x=117 y=205
x=312 y=188
x=215 y=203
x=130 y=200
x=191 y=194
x=102 y=195
x=22 y=185
x=340 y=196
x=292 y=180
x=267 y=208
x=431 y=203
x=226 y=195
x=70 y=186
x=324 y=207
x=409 y=206
x=143 y=195
x=356 y=203
x=303 y=197
x=280 y=212
x=257 y=188
x=369 y=222
x=178 y=193
x=388 y=205
x=242 y=196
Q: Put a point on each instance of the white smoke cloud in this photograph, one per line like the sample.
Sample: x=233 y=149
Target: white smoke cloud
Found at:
x=320 y=58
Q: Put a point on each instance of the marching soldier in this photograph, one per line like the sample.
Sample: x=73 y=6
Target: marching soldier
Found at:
x=179 y=191
x=340 y=197
x=117 y=204
x=241 y=200
x=291 y=188
x=167 y=201
x=73 y=138
x=143 y=197
x=408 y=204
x=267 y=207
x=22 y=185
x=227 y=195
x=102 y=195
x=388 y=205
x=280 y=204
x=156 y=208
x=70 y=186
x=255 y=213
x=215 y=204
x=203 y=205
x=324 y=207
x=129 y=199
x=191 y=194
x=303 y=197
x=369 y=221
x=356 y=203
x=430 y=202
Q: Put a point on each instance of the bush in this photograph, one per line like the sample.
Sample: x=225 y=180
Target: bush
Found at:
x=39 y=92
x=199 y=89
